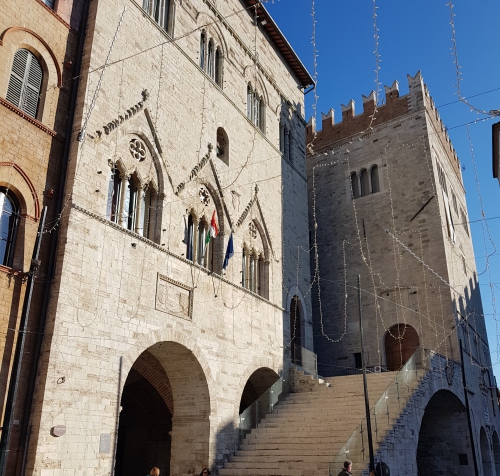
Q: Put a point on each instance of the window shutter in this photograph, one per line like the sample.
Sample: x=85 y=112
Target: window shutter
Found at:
x=25 y=82
x=14 y=91
x=33 y=85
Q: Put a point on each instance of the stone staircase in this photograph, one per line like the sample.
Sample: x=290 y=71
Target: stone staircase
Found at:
x=311 y=425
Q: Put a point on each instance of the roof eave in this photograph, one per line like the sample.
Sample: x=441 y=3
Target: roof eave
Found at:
x=282 y=44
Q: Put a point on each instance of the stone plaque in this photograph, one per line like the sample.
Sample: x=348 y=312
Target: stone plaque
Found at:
x=105 y=443
x=174 y=297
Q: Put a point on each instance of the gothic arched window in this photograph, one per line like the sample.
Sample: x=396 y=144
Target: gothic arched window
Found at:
x=25 y=82
x=255 y=108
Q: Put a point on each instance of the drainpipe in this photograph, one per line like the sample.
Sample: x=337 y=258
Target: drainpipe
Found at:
x=471 y=433
x=15 y=377
x=25 y=428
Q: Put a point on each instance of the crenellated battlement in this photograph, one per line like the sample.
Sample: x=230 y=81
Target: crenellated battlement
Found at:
x=373 y=115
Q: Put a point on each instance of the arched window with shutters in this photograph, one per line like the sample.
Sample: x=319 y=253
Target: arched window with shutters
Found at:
x=9 y=223
x=25 y=82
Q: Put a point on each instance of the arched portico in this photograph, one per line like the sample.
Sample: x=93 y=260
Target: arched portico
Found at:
x=496 y=452
x=444 y=440
x=485 y=454
x=165 y=413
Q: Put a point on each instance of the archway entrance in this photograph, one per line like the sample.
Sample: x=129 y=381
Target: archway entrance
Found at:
x=401 y=341
x=295 y=330
x=496 y=452
x=164 y=420
x=485 y=454
x=443 y=440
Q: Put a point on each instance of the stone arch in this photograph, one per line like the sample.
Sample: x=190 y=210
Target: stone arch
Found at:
x=13 y=177
x=17 y=37
x=212 y=29
x=442 y=440
x=401 y=341
x=263 y=237
x=257 y=83
x=44 y=52
x=170 y=335
x=496 y=451
x=486 y=459
x=143 y=134
x=255 y=385
x=167 y=386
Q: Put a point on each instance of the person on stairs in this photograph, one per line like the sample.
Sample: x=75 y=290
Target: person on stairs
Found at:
x=347 y=468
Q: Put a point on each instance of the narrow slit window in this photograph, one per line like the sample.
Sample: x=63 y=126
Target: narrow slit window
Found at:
x=375 y=179
x=190 y=239
x=365 y=183
x=354 y=185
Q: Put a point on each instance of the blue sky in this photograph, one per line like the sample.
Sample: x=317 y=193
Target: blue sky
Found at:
x=416 y=35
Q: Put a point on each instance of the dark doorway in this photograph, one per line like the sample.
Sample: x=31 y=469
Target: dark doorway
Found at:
x=295 y=330
x=401 y=341
x=144 y=429
x=443 y=440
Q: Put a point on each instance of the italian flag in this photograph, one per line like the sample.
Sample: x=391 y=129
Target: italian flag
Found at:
x=213 y=231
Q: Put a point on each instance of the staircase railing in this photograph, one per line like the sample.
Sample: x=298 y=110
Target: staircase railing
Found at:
x=382 y=415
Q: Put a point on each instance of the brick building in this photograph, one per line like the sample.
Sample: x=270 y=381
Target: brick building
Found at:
x=388 y=203
x=186 y=112
x=38 y=53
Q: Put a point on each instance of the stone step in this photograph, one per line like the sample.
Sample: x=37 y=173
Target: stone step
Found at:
x=290 y=464
x=250 y=456
x=261 y=472
x=306 y=451
x=308 y=428
x=285 y=446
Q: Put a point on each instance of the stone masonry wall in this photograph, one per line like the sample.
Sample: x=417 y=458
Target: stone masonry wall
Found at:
x=113 y=294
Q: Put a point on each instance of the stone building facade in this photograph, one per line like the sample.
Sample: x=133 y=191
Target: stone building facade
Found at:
x=38 y=52
x=388 y=203
x=189 y=112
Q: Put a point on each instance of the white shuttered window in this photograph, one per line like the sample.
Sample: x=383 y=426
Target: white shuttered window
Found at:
x=25 y=82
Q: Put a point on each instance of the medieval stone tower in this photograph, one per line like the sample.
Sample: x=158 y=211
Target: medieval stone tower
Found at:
x=189 y=113
x=387 y=202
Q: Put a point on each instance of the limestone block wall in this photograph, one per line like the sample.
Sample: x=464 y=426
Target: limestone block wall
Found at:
x=154 y=116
